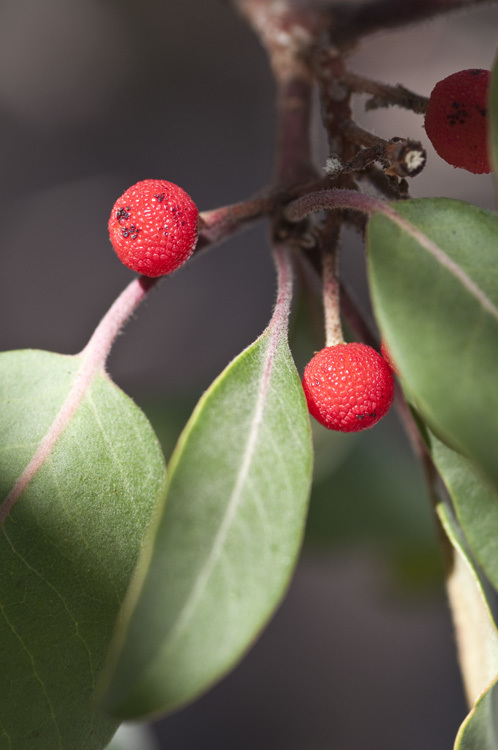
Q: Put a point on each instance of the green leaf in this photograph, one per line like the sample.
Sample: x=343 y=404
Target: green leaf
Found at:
x=493 y=111
x=434 y=281
x=228 y=536
x=475 y=630
x=477 y=639
x=475 y=502
x=68 y=546
x=480 y=729
x=133 y=737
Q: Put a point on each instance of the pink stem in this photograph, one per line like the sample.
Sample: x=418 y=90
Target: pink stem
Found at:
x=352 y=199
x=283 y=264
x=92 y=362
x=97 y=350
x=346 y=199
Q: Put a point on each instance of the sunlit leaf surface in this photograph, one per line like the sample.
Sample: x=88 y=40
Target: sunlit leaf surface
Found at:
x=67 y=548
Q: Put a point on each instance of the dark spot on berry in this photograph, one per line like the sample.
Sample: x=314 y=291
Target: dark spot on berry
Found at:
x=125 y=232
x=159 y=197
x=373 y=414
x=361 y=416
x=459 y=116
x=122 y=214
x=476 y=72
x=483 y=111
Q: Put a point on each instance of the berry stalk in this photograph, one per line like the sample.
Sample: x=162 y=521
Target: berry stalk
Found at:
x=98 y=348
x=356 y=201
x=331 y=295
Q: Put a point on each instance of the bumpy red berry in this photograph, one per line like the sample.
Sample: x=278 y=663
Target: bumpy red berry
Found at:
x=153 y=227
x=348 y=387
x=384 y=350
x=456 y=120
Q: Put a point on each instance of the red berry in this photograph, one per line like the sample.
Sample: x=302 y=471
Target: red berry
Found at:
x=456 y=120
x=153 y=227
x=349 y=387
x=387 y=356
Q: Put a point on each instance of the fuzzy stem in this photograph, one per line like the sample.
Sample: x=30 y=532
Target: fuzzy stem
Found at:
x=97 y=350
x=220 y=223
x=351 y=199
x=331 y=303
x=283 y=264
x=403 y=157
x=92 y=362
x=350 y=22
x=357 y=134
x=330 y=199
x=384 y=95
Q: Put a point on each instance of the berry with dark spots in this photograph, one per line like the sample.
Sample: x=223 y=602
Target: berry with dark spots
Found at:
x=145 y=229
x=456 y=120
x=348 y=387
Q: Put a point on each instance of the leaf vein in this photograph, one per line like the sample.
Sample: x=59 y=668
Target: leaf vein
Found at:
x=35 y=672
x=59 y=595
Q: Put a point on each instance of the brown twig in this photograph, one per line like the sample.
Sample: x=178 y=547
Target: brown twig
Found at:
x=218 y=224
x=349 y=23
x=384 y=95
x=288 y=32
x=386 y=185
x=402 y=157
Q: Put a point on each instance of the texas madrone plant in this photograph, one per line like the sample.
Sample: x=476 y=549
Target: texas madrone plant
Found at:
x=127 y=590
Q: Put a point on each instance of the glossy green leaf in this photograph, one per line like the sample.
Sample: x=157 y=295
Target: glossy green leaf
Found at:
x=229 y=534
x=434 y=281
x=493 y=110
x=477 y=640
x=480 y=729
x=67 y=548
x=475 y=630
x=475 y=502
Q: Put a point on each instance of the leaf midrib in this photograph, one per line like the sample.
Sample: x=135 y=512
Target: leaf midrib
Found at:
x=83 y=379
x=444 y=260
x=235 y=498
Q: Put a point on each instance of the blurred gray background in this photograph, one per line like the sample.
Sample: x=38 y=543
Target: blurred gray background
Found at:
x=98 y=94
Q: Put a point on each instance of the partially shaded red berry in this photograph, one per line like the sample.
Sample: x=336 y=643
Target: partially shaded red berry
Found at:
x=387 y=356
x=456 y=120
x=348 y=387
x=153 y=227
